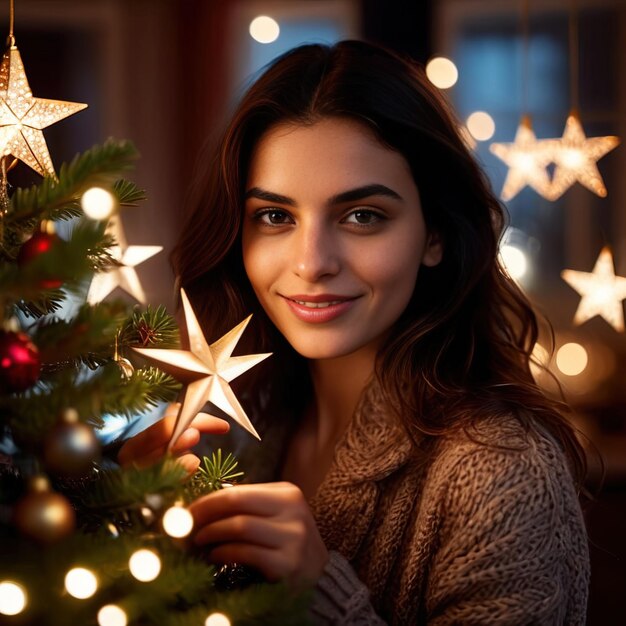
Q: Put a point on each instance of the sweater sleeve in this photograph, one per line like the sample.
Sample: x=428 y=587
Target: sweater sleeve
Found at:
x=341 y=598
x=512 y=544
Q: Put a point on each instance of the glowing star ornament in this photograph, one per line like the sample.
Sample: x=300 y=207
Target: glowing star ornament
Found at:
x=23 y=117
x=528 y=159
x=601 y=290
x=575 y=157
x=124 y=277
x=206 y=370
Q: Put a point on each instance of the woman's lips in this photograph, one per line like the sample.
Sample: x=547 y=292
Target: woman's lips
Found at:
x=319 y=309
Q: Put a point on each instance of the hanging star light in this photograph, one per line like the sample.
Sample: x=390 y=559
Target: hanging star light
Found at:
x=601 y=290
x=124 y=277
x=528 y=159
x=575 y=156
x=206 y=370
x=22 y=117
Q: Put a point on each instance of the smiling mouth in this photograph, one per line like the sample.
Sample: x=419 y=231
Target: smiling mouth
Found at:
x=317 y=305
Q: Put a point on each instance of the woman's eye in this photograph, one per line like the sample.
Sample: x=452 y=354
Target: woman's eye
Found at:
x=273 y=217
x=363 y=217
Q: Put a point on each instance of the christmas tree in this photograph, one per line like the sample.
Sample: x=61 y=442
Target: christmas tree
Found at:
x=83 y=540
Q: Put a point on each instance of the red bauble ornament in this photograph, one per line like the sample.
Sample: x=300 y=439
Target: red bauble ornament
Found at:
x=38 y=244
x=19 y=362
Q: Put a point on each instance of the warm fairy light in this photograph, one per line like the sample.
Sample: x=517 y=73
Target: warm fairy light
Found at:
x=144 y=565
x=177 y=521
x=481 y=125
x=514 y=260
x=112 y=615
x=97 y=203
x=81 y=583
x=217 y=619
x=571 y=359
x=264 y=29
x=601 y=291
x=442 y=72
x=12 y=598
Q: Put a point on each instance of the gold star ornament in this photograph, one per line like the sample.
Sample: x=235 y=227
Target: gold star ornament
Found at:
x=124 y=277
x=206 y=370
x=527 y=159
x=22 y=117
x=575 y=158
x=601 y=290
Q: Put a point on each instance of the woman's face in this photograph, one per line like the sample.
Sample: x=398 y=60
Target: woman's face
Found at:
x=333 y=235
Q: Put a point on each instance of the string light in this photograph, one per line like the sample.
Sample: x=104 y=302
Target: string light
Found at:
x=81 y=583
x=217 y=619
x=144 y=565
x=481 y=125
x=177 y=522
x=540 y=358
x=571 y=359
x=442 y=72
x=12 y=598
x=112 y=615
x=264 y=29
x=97 y=203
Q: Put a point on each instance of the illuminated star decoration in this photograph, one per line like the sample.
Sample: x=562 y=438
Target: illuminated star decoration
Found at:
x=601 y=290
x=206 y=370
x=124 y=277
x=527 y=159
x=575 y=157
x=22 y=117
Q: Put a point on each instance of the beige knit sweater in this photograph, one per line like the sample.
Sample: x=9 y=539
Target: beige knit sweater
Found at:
x=490 y=532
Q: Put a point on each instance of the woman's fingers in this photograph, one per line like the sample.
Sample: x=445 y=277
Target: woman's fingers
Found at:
x=260 y=499
x=271 y=563
x=149 y=445
x=255 y=530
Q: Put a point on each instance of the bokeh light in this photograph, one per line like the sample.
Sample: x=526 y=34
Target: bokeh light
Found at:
x=442 y=72
x=81 y=583
x=539 y=361
x=264 y=29
x=177 y=522
x=112 y=615
x=217 y=619
x=514 y=260
x=144 y=565
x=571 y=359
x=12 y=598
x=98 y=203
x=481 y=125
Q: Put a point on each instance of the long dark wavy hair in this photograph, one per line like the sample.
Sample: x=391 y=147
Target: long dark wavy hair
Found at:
x=462 y=347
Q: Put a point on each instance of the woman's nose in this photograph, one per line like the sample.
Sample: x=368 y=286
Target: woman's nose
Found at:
x=315 y=253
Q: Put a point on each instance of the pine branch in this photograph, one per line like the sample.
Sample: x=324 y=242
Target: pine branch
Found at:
x=126 y=489
x=60 y=200
x=213 y=474
x=150 y=328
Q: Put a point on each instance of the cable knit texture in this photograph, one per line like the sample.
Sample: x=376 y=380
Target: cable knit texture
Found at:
x=489 y=532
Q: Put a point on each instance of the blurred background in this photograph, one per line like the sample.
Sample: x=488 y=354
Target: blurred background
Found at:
x=166 y=73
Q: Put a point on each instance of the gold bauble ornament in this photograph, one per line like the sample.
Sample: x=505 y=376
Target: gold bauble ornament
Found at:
x=71 y=447
x=42 y=514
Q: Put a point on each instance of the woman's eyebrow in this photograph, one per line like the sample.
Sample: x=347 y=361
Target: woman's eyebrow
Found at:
x=269 y=196
x=360 y=193
x=352 y=195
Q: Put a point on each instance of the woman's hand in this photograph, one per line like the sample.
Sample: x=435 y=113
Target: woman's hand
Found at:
x=150 y=445
x=267 y=526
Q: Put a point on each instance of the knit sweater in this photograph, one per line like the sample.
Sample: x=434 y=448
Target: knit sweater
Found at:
x=488 y=532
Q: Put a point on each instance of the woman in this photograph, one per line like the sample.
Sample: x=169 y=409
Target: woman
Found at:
x=422 y=475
